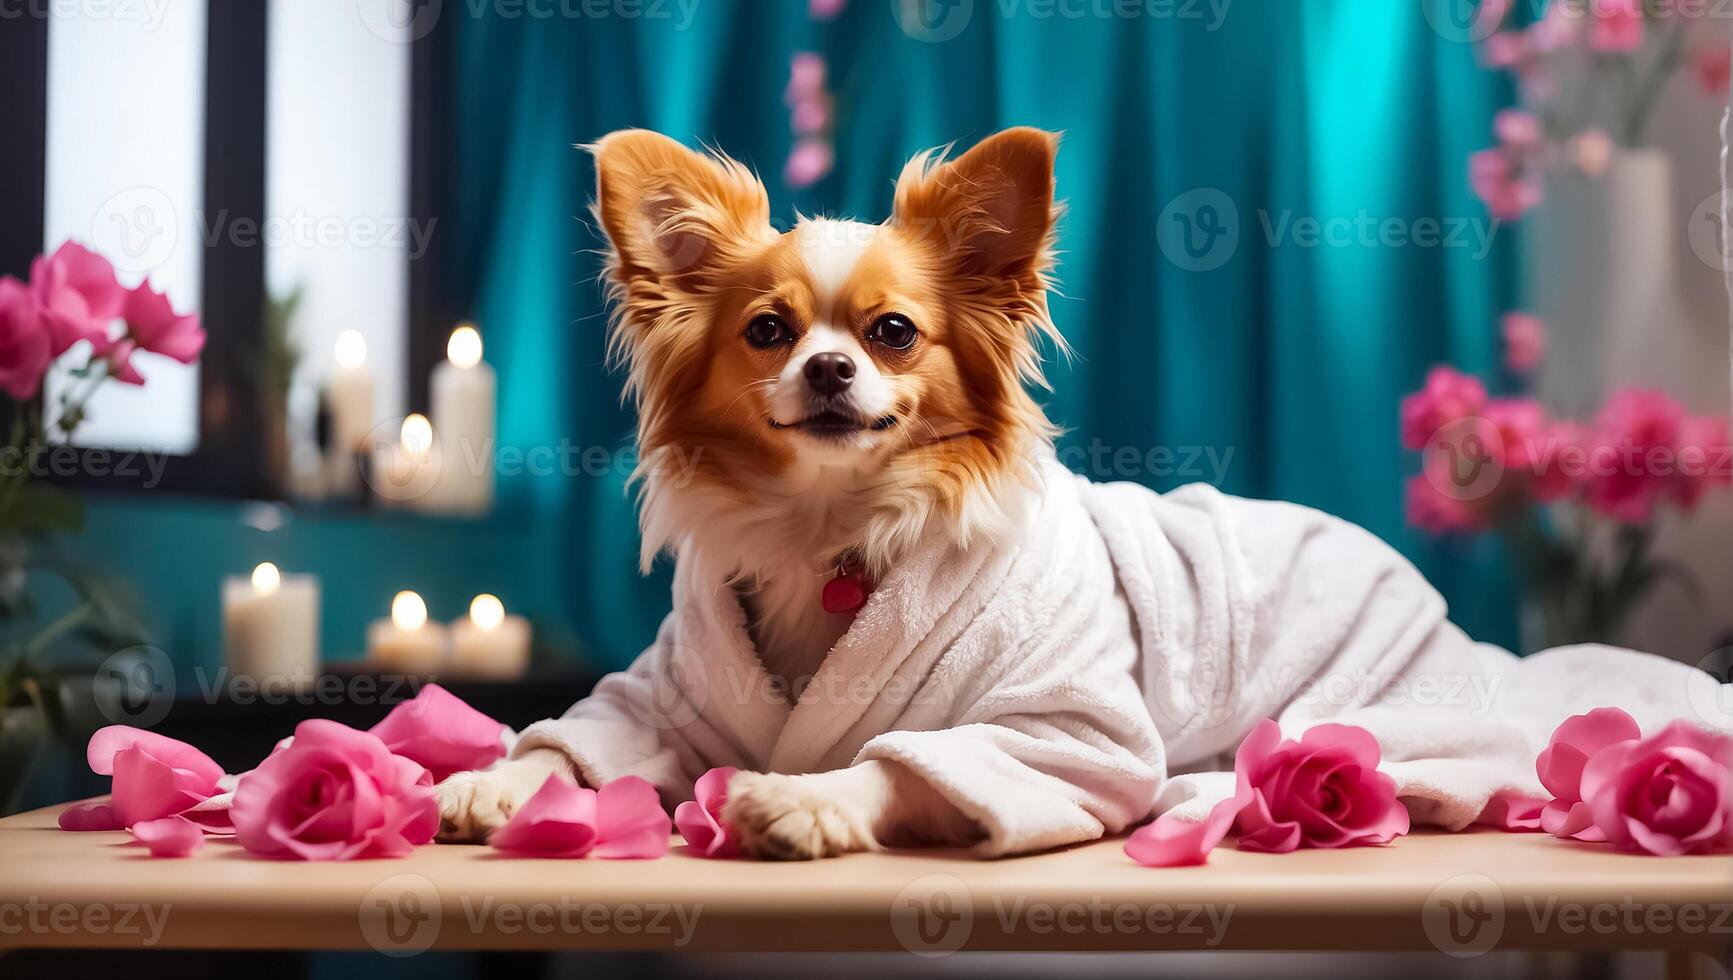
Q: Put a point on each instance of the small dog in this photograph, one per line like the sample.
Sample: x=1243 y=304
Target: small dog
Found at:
x=1042 y=659
x=848 y=391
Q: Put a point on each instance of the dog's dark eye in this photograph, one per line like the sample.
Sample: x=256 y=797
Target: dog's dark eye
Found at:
x=767 y=330
x=894 y=331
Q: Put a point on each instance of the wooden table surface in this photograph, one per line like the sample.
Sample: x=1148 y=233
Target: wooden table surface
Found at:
x=1462 y=893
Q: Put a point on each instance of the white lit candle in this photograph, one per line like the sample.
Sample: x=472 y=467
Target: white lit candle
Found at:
x=271 y=629
x=406 y=473
x=407 y=643
x=350 y=400
x=463 y=390
x=489 y=643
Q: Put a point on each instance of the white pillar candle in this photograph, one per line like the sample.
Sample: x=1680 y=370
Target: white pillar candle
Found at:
x=406 y=473
x=407 y=643
x=489 y=643
x=350 y=397
x=271 y=628
x=463 y=391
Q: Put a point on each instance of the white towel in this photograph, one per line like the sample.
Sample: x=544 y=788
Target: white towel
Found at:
x=1048 y=684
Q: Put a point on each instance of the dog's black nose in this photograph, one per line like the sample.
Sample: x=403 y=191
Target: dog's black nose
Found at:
x=829 y=372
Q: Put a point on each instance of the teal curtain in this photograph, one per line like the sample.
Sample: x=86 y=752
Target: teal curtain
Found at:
x=1306 y=140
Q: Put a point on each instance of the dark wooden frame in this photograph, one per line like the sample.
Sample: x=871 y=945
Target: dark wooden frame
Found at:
x=229 y=461
x=435 y=303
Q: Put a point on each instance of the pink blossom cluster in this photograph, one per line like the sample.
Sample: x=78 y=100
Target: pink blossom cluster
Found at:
x=1508 y=176
x=809 y=105
x=73 y=295
x=1641 y=451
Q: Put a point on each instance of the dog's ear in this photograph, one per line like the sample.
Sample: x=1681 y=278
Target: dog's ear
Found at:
x=991 y=210
x=672 y=215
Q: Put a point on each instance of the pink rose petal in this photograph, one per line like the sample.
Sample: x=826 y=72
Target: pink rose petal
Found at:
x=109 y=741
x=169 y=836
x=630 y=821
x=559 y=821
x=1512 y=813
x=90 y=816
x=442 y=732
x=700 y=818
x=79 y=294
x=1173 y=843
x=153 y=324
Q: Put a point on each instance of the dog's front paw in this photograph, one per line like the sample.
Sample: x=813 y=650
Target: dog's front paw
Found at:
x=475 y=804
x=795 y=818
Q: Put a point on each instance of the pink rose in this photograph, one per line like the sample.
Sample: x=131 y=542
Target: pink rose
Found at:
x=441 y=732
x=335 y=794
x=810 y=115
x=79 y=293
x=806 y=73
x=1666 y=794
x=1713 y=63
x=808 y=162
x=1505 y=49
x=1524 y=342
x=1705 y=459
x=700 y=819
x=25 y=340
x=1503 y=183
x=154 y=777
x=154 y=325
x=1617 y=25
x=1634 y=462
x=1591 y=151
x=1436 y=512
x=1517 y=129
x=1557 y=28
x=825 y=9
x=1560 y=767
x=1323 y=791
x=1449 y=395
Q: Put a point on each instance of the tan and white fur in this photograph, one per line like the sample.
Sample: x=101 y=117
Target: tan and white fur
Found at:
x=847 y=391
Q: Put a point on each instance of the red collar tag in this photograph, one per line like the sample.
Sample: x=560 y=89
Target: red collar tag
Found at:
x=847 y=592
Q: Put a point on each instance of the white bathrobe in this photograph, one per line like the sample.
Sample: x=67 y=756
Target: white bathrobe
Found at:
x=1050 y=686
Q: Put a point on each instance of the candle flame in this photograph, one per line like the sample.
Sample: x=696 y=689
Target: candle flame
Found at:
x=486 y=611
x=408 y=612
x=351 y=349
x=416 y=435
x=266 y=579
x=464 y=347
